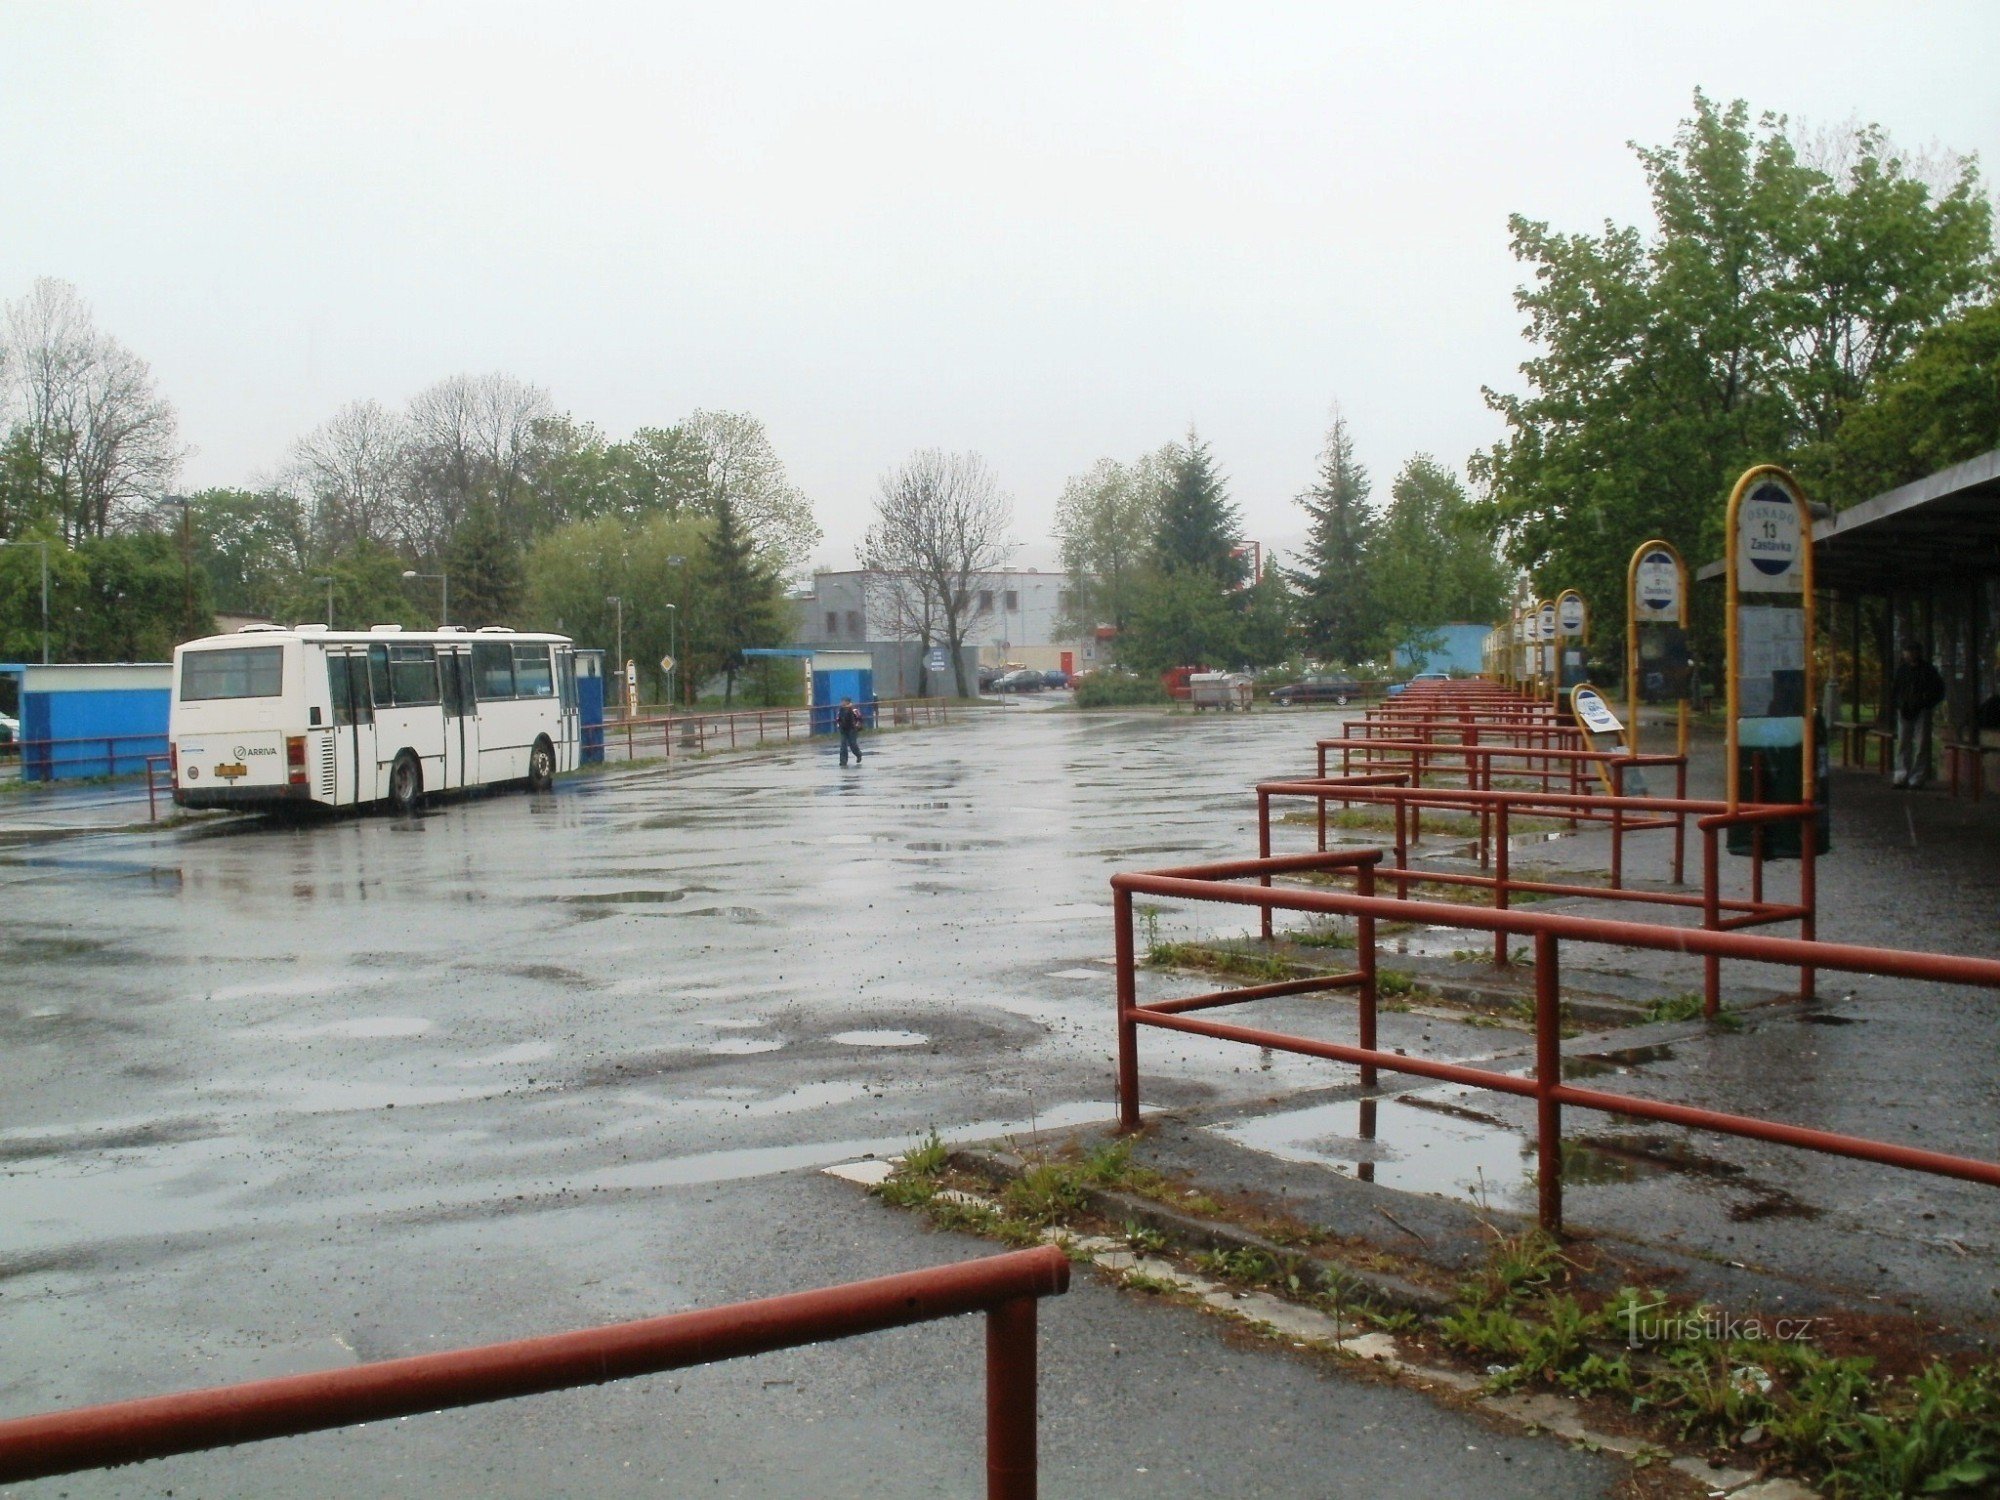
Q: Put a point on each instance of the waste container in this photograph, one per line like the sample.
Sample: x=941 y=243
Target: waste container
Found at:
x=1768 y=761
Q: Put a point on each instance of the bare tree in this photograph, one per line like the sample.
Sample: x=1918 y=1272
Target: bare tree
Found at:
x=941 y=525
x=352 y=475
x=106 y=441
x=472 y=438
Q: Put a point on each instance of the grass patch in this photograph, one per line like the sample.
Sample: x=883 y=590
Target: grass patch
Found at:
x=1781 y=1406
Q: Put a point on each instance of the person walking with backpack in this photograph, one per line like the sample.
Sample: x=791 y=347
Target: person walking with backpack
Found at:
x=848 y=722
x=1914 y=691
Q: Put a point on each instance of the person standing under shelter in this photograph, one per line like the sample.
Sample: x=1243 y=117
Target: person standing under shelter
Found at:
x=1914 y=691
x=848 y=722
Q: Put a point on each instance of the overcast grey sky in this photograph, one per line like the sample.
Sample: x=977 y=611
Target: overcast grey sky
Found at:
x=1046 y=234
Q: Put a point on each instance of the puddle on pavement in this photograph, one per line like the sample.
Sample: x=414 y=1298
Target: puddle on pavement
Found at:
x=626 y=898
x=733 y=1104
x=1623 y=1060
x=317 y=1096
x=1438 y=942
x=742 y=1046
x=525 y=1052
x=962 y=846
x=1397 y=1144
x=880 y=1038
x=1418 y=1144
x=1075 y=911
x=1827 y=1018
x=360 y=1028
x=1090 y=974
x=732 y=1166
x=103 y=1195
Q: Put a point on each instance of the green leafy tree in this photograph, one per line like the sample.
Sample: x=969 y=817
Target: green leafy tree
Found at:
x=1197 y=528
x=1771 y=291
x=1939 y=407
x=1336 y=607
x=747 y=600
x=1180 y=618
x=484 y=567
x=1434 y=560
x=1106 y=521
x=134 y=599
x=1268 y=614
x=649 y=563
x=252 y=544
x=366 y=582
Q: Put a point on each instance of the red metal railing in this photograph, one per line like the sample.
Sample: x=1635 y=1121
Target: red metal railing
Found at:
x=1497 y=810
x=87 y=755
x=157 y=783
x=697 y=734
x=1004 y=1287
x=1221 y=882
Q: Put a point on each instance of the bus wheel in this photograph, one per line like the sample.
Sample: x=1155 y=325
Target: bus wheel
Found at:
x=541 y=766
x=406 y=783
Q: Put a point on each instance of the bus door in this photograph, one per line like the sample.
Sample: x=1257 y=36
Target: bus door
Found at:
x=353 y=726
x=461 y=716
x=566 y=747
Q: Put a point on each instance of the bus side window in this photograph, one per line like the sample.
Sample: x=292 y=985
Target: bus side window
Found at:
x=378 y=675
x=532 y=678
x=493 y=669
x=413 y=670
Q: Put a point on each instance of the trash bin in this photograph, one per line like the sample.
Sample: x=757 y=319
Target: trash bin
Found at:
x=1777 y=761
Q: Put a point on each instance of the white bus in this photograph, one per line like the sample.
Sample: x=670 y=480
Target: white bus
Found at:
x=310 y=717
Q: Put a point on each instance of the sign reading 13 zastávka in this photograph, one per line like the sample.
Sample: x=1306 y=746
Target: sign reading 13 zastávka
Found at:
x=1773 y=741
x=1771 y=538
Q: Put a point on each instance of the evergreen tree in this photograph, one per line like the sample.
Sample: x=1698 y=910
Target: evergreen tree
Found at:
x=485 y=569
x=746 y=593
x=1199 y=530
x=1337 y=608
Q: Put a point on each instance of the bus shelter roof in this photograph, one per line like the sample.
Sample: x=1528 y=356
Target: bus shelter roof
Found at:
x=1943 y=528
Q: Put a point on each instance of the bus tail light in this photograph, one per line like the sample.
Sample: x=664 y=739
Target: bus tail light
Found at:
x=295 y=758
x=173 y=763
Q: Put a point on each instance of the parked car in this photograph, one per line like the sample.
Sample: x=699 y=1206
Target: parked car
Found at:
x=1022 y=680
x=10 y=730
x=1397 y=687
x=1316 y=690
x=1055 y=678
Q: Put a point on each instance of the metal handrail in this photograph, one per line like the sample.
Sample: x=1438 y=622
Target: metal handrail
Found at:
x=1548 y=930
x=1005 y=1287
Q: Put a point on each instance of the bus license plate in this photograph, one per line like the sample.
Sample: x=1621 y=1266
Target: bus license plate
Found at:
x=229 y=770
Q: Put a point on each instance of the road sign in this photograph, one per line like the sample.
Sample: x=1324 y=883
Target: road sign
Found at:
x=1770 y=543
x=1656 y=586
x=666 y=664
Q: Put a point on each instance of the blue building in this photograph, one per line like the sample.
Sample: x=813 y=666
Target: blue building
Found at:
x=91 y=719
x=1458 y=650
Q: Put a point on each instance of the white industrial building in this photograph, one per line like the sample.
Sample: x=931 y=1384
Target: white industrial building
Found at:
x=1016 y=615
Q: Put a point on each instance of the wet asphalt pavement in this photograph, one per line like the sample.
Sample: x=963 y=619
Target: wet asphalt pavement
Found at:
x=282 y=1098
x=279 y=1098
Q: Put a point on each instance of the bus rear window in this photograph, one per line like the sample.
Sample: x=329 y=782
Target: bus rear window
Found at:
x=240 y=672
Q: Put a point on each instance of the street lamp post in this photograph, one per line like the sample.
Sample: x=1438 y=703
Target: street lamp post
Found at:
x=45 y=590
x=673 y=636
x=673 y=651
x=444 y=592
x=617 y=602
x=329 y=600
